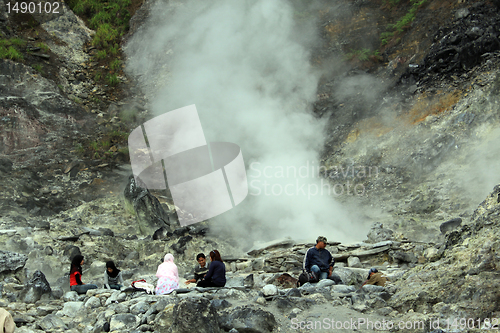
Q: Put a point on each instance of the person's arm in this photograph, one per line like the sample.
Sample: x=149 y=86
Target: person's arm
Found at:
x=176 y=272
x=190 y=281
x=120 y=279
x=332 y=262
x=106 y=281
x=210 y=272
x=307 y=261
x=78 y=278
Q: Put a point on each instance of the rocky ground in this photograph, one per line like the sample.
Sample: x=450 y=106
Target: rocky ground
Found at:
x=431 y=132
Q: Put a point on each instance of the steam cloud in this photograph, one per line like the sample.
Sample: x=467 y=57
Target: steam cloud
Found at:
x=246 y=66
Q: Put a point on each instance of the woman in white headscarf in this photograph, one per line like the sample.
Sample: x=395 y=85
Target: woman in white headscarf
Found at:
x=168 y=276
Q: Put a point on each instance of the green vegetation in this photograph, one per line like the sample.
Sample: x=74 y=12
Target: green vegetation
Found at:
x=43 y=47
x=116 y=64
x=112 y=79
x=101 y=54
x=97 y=76
x=363 y=55
x=110 y=19
x=403 y=23
x=11 y=48
x=105 y=147
x=38 y=68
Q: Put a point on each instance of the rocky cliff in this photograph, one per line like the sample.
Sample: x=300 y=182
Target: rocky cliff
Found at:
x=407 y=96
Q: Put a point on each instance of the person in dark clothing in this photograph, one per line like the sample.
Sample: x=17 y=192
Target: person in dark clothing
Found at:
x=216 y=276
x=75 y=276
x=112 y=276
x=200 y=270
x=319 y=260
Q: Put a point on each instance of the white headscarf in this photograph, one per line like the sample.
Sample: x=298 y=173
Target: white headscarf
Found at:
x=168 y=268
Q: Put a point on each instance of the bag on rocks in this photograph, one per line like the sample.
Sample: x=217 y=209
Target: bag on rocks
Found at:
x=142 y=285
x=305 y=277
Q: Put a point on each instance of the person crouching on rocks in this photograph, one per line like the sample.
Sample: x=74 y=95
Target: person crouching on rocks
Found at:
x=168 y=276
x=75 y=276
x=200 y=270
x=112 y=276
x=376 y=278
x=216 y=276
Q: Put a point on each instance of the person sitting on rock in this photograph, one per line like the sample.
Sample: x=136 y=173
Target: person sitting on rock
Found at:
x=376 y=278
x=168 y=276
x=112 y=276
x=216 y=276
x=319 y=260
x=200 y=270
x=75 y=276
x=7 y=324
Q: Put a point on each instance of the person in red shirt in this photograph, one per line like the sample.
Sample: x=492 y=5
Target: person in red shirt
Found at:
x=75 y=276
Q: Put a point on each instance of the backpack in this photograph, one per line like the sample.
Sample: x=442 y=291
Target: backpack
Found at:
x=305 y=277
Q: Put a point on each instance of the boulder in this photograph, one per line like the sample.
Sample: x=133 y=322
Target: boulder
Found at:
x=270 y=290
x=378 y=233
x=36 y=287
x=150 y=214
x=11 y=261
x=71 y=309
x=124 y=322
x=348 y=276
x=195 y=313
x=51 y=323
x=354 y=262
x=248 y=319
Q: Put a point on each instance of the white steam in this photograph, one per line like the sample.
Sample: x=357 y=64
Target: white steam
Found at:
x=246 y=67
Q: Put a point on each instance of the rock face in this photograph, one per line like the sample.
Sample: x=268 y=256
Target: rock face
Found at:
x=10 y=261
x=248 y=319
x=195 y=314
x=36 y=287
x=150 y=214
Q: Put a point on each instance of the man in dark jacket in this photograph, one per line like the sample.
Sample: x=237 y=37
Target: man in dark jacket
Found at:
x=319 y=260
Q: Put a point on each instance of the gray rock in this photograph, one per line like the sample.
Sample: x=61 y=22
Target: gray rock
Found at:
x=195 y=312
x=139 y=307
x=57 y=292
x=450 y=225
x=248 y=319
x=36 y=287
x=325 y=283
x=149 y=212
x=93 y=302
x=378 y=233
x=343 y=289
x=403 y=257
x=71 y=309
x=11 y=261
x=123 y=322
x=354 y=262
x=270 y=290
x=5 y=165
x=70 y=296
x=348 y=276
x=372 y=288
x=51 y=322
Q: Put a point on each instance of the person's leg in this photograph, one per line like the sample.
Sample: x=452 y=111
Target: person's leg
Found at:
x=323 y=275
x=115 y=286
x=82 y=288
x=315 y=269
x=205 y=284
